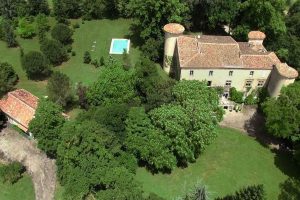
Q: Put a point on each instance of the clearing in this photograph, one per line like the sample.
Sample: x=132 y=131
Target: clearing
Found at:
x=233 y=161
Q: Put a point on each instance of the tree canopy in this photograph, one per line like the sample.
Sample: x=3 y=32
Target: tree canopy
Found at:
x=8 y=78
x=46 y=126
x=54 y=51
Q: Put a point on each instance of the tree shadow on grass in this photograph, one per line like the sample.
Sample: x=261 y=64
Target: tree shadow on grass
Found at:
x=285 y=162
x=255 y=127
x=134 y=36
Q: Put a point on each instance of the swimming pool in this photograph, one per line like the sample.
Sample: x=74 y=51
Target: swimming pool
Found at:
x=118 y=45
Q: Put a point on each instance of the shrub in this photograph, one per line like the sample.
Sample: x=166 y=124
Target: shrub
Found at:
x=102 y=61
x=25 y=28
x=62 y=33
x=95 y=63
x=236 y=96
x=12 y=172
x=3 y=120
x=76 y=25
x=73 y=53
x=36 y=65
x=87 y=57
x=250 y=99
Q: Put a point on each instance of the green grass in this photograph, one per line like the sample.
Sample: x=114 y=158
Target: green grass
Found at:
x=101 y=31
x=234 y=160
x=21 y=190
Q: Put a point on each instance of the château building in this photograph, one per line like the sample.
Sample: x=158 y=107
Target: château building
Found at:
x=222 y=61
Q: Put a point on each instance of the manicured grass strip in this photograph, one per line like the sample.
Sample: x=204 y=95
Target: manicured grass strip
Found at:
x=233 y=161
x=21 y=190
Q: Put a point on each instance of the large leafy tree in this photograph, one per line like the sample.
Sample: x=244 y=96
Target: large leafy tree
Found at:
x=8 y=78
x=54 y=51
x=59 y=88
x=222 y=12
x=282 y=114
x=153 y=90
x=114 y=85
x=46 y=126
x=62 y=33
x=147 y=143
x=9 y=35
x=290 y=189
x=13 y=8
x=67 y=8
x=87 y=158
x=36 y=65
x=38 y=6
x=267 y=16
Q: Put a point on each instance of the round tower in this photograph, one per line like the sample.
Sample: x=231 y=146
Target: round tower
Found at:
x=282 y=75
x=172 y=31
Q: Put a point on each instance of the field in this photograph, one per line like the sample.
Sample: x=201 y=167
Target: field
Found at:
x=99 y=31
x=22 y=190
x=233 y=161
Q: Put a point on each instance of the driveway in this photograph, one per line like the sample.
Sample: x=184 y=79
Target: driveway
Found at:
x=15 y=147
x=250 y=122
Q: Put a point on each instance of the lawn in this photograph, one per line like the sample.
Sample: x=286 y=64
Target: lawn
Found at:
x=22 y=190
x=233 y=161
x=99 y=31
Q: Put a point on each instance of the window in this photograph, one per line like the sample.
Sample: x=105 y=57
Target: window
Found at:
x=260 y=83
x=209 y=83
x=228 y=83
x=248 y=83
x=251 y=73
x=230 y=73
x=211 y=73
x=191 y=72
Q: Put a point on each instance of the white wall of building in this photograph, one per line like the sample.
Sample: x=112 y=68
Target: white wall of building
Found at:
x=220 y=76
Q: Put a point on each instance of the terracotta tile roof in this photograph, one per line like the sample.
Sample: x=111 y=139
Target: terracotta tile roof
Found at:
x=20 y=105
x=286 y=71
x=222 y=52
x=174 y=28
x=258 y=35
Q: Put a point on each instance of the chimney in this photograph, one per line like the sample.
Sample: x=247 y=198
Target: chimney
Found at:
x=256 y=38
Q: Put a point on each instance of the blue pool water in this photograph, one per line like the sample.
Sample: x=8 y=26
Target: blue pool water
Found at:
x=118 y=46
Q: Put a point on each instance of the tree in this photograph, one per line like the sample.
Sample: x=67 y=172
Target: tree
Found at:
x=36 y=65
x=42 y=26
x=290 y=189
x=153 y=90
x=255 y=192
x=282 y=114
x=59 y=88
x=67 y=9
x=8 y=78
x=54 y=51
x=112 y=117
x=221 y=12
x=10 y=9
x=81 y=93
x=147 y=143
x=10 y=36
x=25 y=28
x=267 y=16
x=46 y=126
x=199 y=192
x=114 y=86
x=126 y=60
x=62 y=33
x=86 y=158
x=38 y=6
x=87 y=57
x=12 y=173
x=3 y=120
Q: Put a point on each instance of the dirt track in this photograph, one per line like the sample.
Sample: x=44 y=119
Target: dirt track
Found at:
x=15 y=147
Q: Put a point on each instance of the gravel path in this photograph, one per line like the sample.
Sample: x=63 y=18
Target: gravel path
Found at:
x=14 y=147
x=252 y=123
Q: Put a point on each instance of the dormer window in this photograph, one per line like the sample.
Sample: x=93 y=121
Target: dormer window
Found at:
x=211 y=73
x=230 y=73
x=251 y=73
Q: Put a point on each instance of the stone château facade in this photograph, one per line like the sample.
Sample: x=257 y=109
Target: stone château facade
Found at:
x=222 y=61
